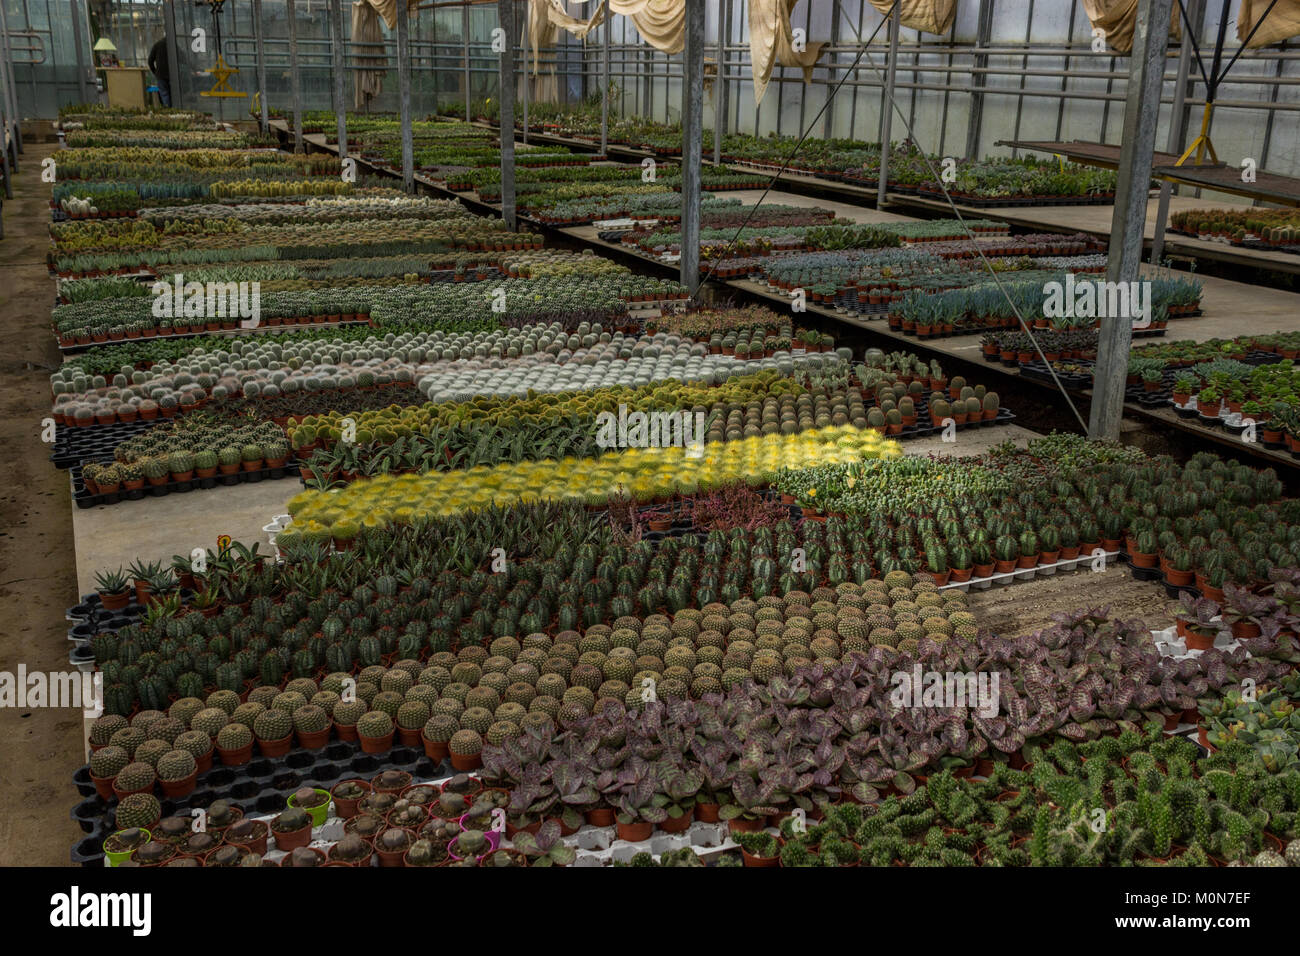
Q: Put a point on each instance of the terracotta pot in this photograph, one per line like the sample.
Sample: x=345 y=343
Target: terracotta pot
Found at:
x=409 y=738
x=1027 y=561
x=1244 y=630
x=959 y=575
x=346 y=807
x=394 y=858
x=706 y=812
x=234 y=758
x=103 y=786
x=751 y=860
x=635 y=832
x=115 y=602
x=466 y=763
x=364 y=861
x=1179 y=579
x=376 y=745
x=179 y=788
x=275 y=748
x=293 y=838
x=679 y=824
x=741 y=825
x=1141 y=560
x=346 y=731
x=1002 y=567
x=1199 y=641
x=601 y=817
x=313 y=740
x=433 y=750
x=983 y=570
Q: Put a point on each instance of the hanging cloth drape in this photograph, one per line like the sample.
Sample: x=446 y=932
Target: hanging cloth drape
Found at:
x=1282 y=22
x=1118 y=18
x=366 y=29
x=771 y=38
x=928 y=16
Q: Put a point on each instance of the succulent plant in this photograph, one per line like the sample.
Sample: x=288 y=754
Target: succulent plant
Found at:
x=290 y=820
x=194 y=742
x=176 y=765
x=209 y=720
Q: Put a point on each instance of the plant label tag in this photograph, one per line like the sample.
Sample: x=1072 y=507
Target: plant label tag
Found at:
x=332 y=831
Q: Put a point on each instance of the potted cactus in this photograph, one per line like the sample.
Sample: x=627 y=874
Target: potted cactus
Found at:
x=234 y=744
x=437 y=734
x=466 y=748
x=177 y=772
x=105 y=764
x=312 y=725
x=137 y=777
x=375 y=731
x=273 y=729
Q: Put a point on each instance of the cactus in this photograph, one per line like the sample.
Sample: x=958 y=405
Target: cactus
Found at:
x=375 y=723
x=108 y=761
x=176 y=765
x=347 y=713
x=103 y=729
x=310 y=719
x=465 y=743
x=194 y=742
x=209 y=720
x=136 y=776
x=234 y=736
x=140 y=810
x=440 y=728
x=272 y=725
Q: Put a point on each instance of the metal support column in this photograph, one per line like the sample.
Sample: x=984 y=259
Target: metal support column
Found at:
x=404 y=94
x=77 y=22
x=295 y=81
x=720 y=82
x=464 y=29
x=1146 y=77
x=604 y=80
x=979 y=79
x=692 y=143
x=6 y=150
x=528 y=79
x=259 y=47
x=1177 y=132
x=887 y=103
x=340 y=88
x=828 y=121
x=506 y=101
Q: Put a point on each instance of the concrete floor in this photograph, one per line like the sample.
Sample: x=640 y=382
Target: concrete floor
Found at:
x=39 y=747
x=157 y=528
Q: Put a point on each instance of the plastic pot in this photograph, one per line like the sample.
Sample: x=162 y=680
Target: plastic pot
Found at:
x=293 y=838
x=319 y=813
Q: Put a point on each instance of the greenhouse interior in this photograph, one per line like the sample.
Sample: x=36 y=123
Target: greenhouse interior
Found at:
x=652 y=433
